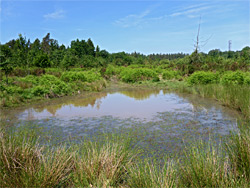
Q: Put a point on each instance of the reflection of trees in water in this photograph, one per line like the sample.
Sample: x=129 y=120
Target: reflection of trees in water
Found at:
x=95 y=99
x=77 y=102
x=140 y=94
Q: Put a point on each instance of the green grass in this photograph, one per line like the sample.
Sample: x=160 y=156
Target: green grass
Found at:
x=112 y=162
x=233 y=96
x=24 y=163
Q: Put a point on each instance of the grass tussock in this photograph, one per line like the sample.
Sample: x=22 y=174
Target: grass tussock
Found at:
x=103 y=165
x=148 y=174
x=205 y=166
x=239 y=153
x=113 y=163
x=23 y=163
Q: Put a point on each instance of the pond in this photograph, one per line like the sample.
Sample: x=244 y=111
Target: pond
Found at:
x=159 y=122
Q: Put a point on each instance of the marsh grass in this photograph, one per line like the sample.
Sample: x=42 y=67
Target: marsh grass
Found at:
x=24 y=163
x=113 y=162
x=103 y=165
x=152 y=174
x=205 y=166
x=234 y=96
x=239 y=153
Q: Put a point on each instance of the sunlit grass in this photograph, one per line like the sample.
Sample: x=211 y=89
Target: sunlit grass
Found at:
x=114 y=162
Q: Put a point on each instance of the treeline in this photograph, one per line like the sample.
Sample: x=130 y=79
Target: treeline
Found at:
x=46 y=53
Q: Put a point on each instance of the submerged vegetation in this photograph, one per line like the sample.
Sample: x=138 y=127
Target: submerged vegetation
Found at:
x=41 y=70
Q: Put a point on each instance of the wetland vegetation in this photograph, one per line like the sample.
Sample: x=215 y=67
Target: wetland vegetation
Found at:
x=190 y=145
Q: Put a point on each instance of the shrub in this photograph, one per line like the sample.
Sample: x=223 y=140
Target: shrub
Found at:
x=53 y=85
x=39 y=91
x=13 y=89
x=233 y=78
x=113 y=70
x=135 y=75
x=84 y=76
x=203 y=78
x=169 y=75
x=30 y=79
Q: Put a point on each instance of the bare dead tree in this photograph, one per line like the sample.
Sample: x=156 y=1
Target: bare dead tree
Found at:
x=196 y=45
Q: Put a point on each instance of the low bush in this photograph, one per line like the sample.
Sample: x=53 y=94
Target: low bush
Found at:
x=169 y=75
x=53 y=86
x=233 y=78
x=203 y=78
x=135 y=75
x=113 y=70
x=83 y=76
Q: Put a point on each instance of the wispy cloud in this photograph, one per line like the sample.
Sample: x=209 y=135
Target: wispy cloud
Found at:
x=81 y=29
x=192 y=12
x=132 y=19
x=58 y=14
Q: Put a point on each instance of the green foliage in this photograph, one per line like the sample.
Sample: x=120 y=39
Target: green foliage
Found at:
x=169 y=75
x=30 y=79
x=233 y=78
x=113 y=70
x=135 y=75
x=69 y=60
x=52 y=86
x=7 y=67
x=42 y=60
x=84 y=76
x=202 y=77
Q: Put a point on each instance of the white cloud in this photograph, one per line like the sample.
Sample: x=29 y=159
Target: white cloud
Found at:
x=58 y=14
x=191 y=12
x=132 y=19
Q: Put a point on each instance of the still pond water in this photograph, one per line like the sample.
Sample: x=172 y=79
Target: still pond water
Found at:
x=158 y=122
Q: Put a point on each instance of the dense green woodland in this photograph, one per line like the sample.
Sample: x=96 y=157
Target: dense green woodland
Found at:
x=48 y=53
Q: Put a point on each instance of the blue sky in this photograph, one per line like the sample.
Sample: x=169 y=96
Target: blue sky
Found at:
x=143 y=26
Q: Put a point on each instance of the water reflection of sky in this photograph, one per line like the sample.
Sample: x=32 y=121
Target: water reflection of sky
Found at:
x=115 y=104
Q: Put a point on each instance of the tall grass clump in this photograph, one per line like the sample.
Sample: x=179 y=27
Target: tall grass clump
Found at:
x=148 y=174
x=103 y=165
x=239 y=153
x=205 y=166
x=23 y=163
x=234 y=96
